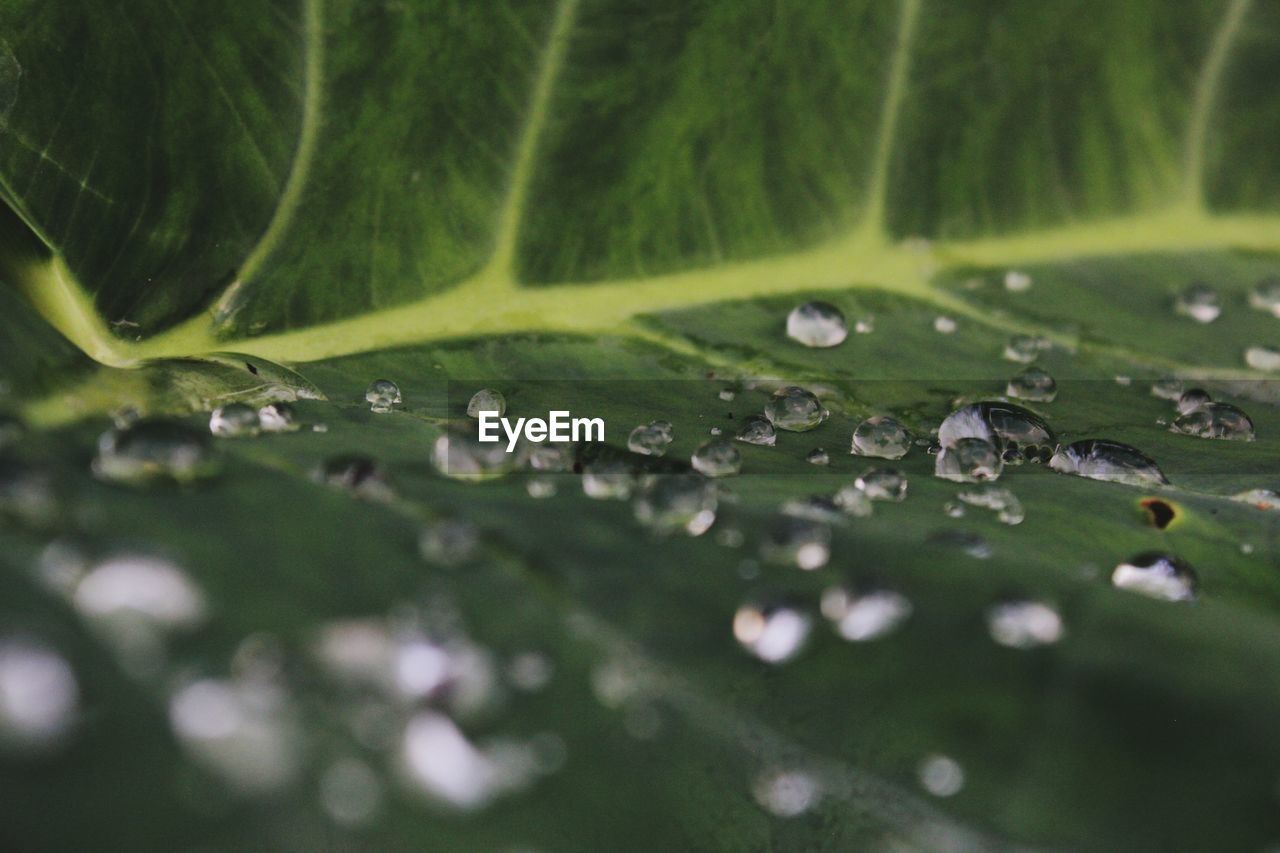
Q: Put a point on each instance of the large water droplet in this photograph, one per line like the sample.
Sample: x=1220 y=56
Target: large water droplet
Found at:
x=881 y=437
x=883 y=484
x=794 y=409
x=817 y=324
x=1157 y=575
x=969 y=460
x=1199 y=302
x=1024 y=624
x=651 y=439
x=1263 y=358
x=677 y=502
x=1033 y=384
x=486 y=400
x=382 y=395
x=862 y=616
x=800 y=542
x=1100 y=459
x=39 y=696
x=717 y=458
x=1215 y=420
x=1003 y=502
x=758 y=430
x=234 y=420
x=1265 y=296
x=154 y=449
x=460 y=455
x=773 y=633
x=1006 y=425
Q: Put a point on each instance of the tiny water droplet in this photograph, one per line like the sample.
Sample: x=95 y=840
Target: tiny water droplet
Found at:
x=818 y=456
x=865 y=325
x=1024 y=349
x=727 y=394
x=1215 y=420
x=800 y=542
x=486 y=400
x=817 y=324
x=773 y=633
x=1016 y=281
x=1192 y=400
x=382 y=395
x=673 y=502
x=717 y=458
x=881 y=437
x=1024 y=624
x=794 y=409
x=459 y=454
x=1263 y=358
x=1265 y=296
x=651 y=439
x=540 y=487
x=1100 y=459
x=715 y=430
x=1200 y=302
x=1033 y=384
x=154 y=449
x=1157 y=575
x=953 y=509
x=278 y=417
x=786 y=793
x=357 y=474
x=941 y=776
x=234 y=420
x=1004 y=503
x=1123 y=381
x=863 y=616
x=883 y=484
x=1167 y=388
x=759 y=431
x=969 y=460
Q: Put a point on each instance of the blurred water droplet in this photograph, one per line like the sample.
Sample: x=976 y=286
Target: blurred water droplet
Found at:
x=865 y=325
x=1100 y=459
x=953 y=509
x=881 y=437
x=717 y=459
x=1193 y=399
x=863 y=616
x=786 y=793
x=550 y=457
x=773 y=633
x=27 y=494
x=1267 y=499
x=460 y=455
x=11 y=429
x=677 y=502
x=1024 y=624
x=817 y=324
x=650 y=440
x=382 y=395
x=530 y=671
x=540 y=487
x=818 y=456
x=359 y=475
x=759 y=431
x=969 y=460
x=794 y=409
x=800 y=542
x=449 y=541
x=1003 y=502
x=608 y=478
x=941 y=776
x=1200 y=302
x=278 y=417
x=1024 y=349
x=39 y=696
x=883 y=484
x=853 y=501
x=1215 y=420
x=1123 y=381
x=727 y=394
x=450 y=769
x=1263 y=358
x=486 y=400
x=1167 y=388
x=1265 y=296
x=1016 y=281
x=350 y=792
x=234 y=420
x=1033 y=384
x=1157 y=575
x=944 y=325
x=154 y=449
x=963 y=540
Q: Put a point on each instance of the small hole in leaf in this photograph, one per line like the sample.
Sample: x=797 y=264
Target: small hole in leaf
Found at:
x=1159 y=513
x=252 y=369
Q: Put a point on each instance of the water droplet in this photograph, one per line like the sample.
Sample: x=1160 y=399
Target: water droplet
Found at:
x=1003 y=502
x=1033 y=384
x=773 y=633
x=786 y=793
x=139 y=587
x=1167 y=388
x=350 y=792
x=963 y=540
x=540 y=487
x=1192 y=400
x=1261 y=498
x=651 y=440
x=1265 y=296
x=1024 y=624
x=944 y=325
x=1263 y=358
x=550 y=457
x=818 y=456
x=1215 y=420
x=1024 y=349
x=717 y=459
x=817 y=324
x=883 y=484
x=881 y=437
x=799 y=542
x=382 y=395
x=154 y=449
x=941 y=776
x=1157 y=575
x=860 y=617
x=278 y=417
x=1199 y=302
x=677 y=502
x=758 y=430
x=1016 y=281
x=1123 y=381
x=26 y=493
x=530 y=671
x=1003 y=424
x=39 y=696
x=969 y=460
x=865 y=325
x=1100 y=459
x=460 y=455
x=486 y=400
x=794 y=409
x=449 y=541
x=452 y=770
x=853 y=501
x=727 y=394
x=357 y=474
x=953 y=509
x=608 y=478
x=234 y=420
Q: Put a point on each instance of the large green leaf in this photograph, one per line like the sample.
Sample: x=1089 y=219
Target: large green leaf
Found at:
x=610 y=207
